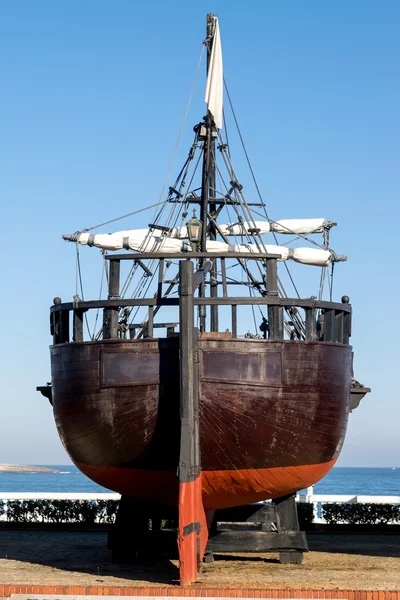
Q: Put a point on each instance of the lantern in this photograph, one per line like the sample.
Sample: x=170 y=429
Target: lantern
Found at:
x=194 y=229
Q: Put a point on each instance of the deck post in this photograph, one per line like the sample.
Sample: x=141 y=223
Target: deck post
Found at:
x=346 y=322
x=234 y=320
x=339 y=330
x=311 y=323
x=59 y=324
x=275 y=317
x=110 y=315
x=192 y=527
x=329 y=325
x=78 y=325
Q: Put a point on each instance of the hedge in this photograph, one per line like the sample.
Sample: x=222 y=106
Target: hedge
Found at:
x=88 y=512
x=305 y=513
x=361 y=514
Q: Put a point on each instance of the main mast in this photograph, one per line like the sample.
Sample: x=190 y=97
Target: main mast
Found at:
x=208 y=189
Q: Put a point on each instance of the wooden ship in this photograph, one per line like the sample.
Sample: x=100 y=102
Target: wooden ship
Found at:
x=187 y=412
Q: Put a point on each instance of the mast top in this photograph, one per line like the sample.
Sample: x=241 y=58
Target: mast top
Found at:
x=215 y=78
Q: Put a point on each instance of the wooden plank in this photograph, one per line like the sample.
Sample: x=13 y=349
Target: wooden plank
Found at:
x=237 y=300
x=258 y=541
x=251 y=513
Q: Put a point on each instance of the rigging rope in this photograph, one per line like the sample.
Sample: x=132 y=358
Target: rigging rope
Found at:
x=79 y=276
x=255 y=181
x=183 y=123
x=103 y=270
x=135 y=212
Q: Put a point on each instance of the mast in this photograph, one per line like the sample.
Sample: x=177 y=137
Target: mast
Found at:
x=208 y=191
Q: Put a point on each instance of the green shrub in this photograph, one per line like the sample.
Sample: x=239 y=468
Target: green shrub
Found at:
x=86 y=512
x=305 y=512
x=56 y=511
x=22 y=512
x=107 y=510
x=361 y=514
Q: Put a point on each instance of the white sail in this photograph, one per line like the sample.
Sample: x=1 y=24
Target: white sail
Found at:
x=302 y=226
x=215 y=79
x=284 y=226
x=141 y=240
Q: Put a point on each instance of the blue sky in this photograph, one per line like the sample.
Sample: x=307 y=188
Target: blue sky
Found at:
x=92 y=98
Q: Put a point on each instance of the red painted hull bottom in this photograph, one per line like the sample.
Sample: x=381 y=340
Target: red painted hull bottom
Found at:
x=220 y=489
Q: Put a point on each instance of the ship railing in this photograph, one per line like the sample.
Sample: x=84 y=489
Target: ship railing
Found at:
x=324 y=321
x=317 y=500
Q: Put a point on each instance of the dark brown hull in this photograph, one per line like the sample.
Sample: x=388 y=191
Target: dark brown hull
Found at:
x=273 y=414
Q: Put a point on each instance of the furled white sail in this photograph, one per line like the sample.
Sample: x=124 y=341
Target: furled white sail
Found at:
x=141 y=240
x=215 y=79
x=302 y=226
x=285 y=226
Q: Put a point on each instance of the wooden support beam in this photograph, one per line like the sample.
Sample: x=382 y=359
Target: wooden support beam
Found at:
x=160 y=277
x=59 y=326
x=192 y=526
x=311 y=323
x=288 y=525
x=346 y=328
x=78 y=325
x=150 y=323
x=110 y=315
x=329 y=325
x=234 y=321
x=339 y=326
x=258 y=541
x=275 y=313
x=224 y=284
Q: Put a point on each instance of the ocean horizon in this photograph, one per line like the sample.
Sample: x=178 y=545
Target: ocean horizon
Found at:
x=367 y=481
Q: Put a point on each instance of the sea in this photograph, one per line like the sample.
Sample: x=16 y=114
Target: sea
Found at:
x=340 y=480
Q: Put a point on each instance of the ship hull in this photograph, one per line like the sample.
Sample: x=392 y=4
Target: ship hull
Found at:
x=272 y=415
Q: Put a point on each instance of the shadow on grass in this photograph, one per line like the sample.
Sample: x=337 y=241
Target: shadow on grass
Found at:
x=86 y=552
